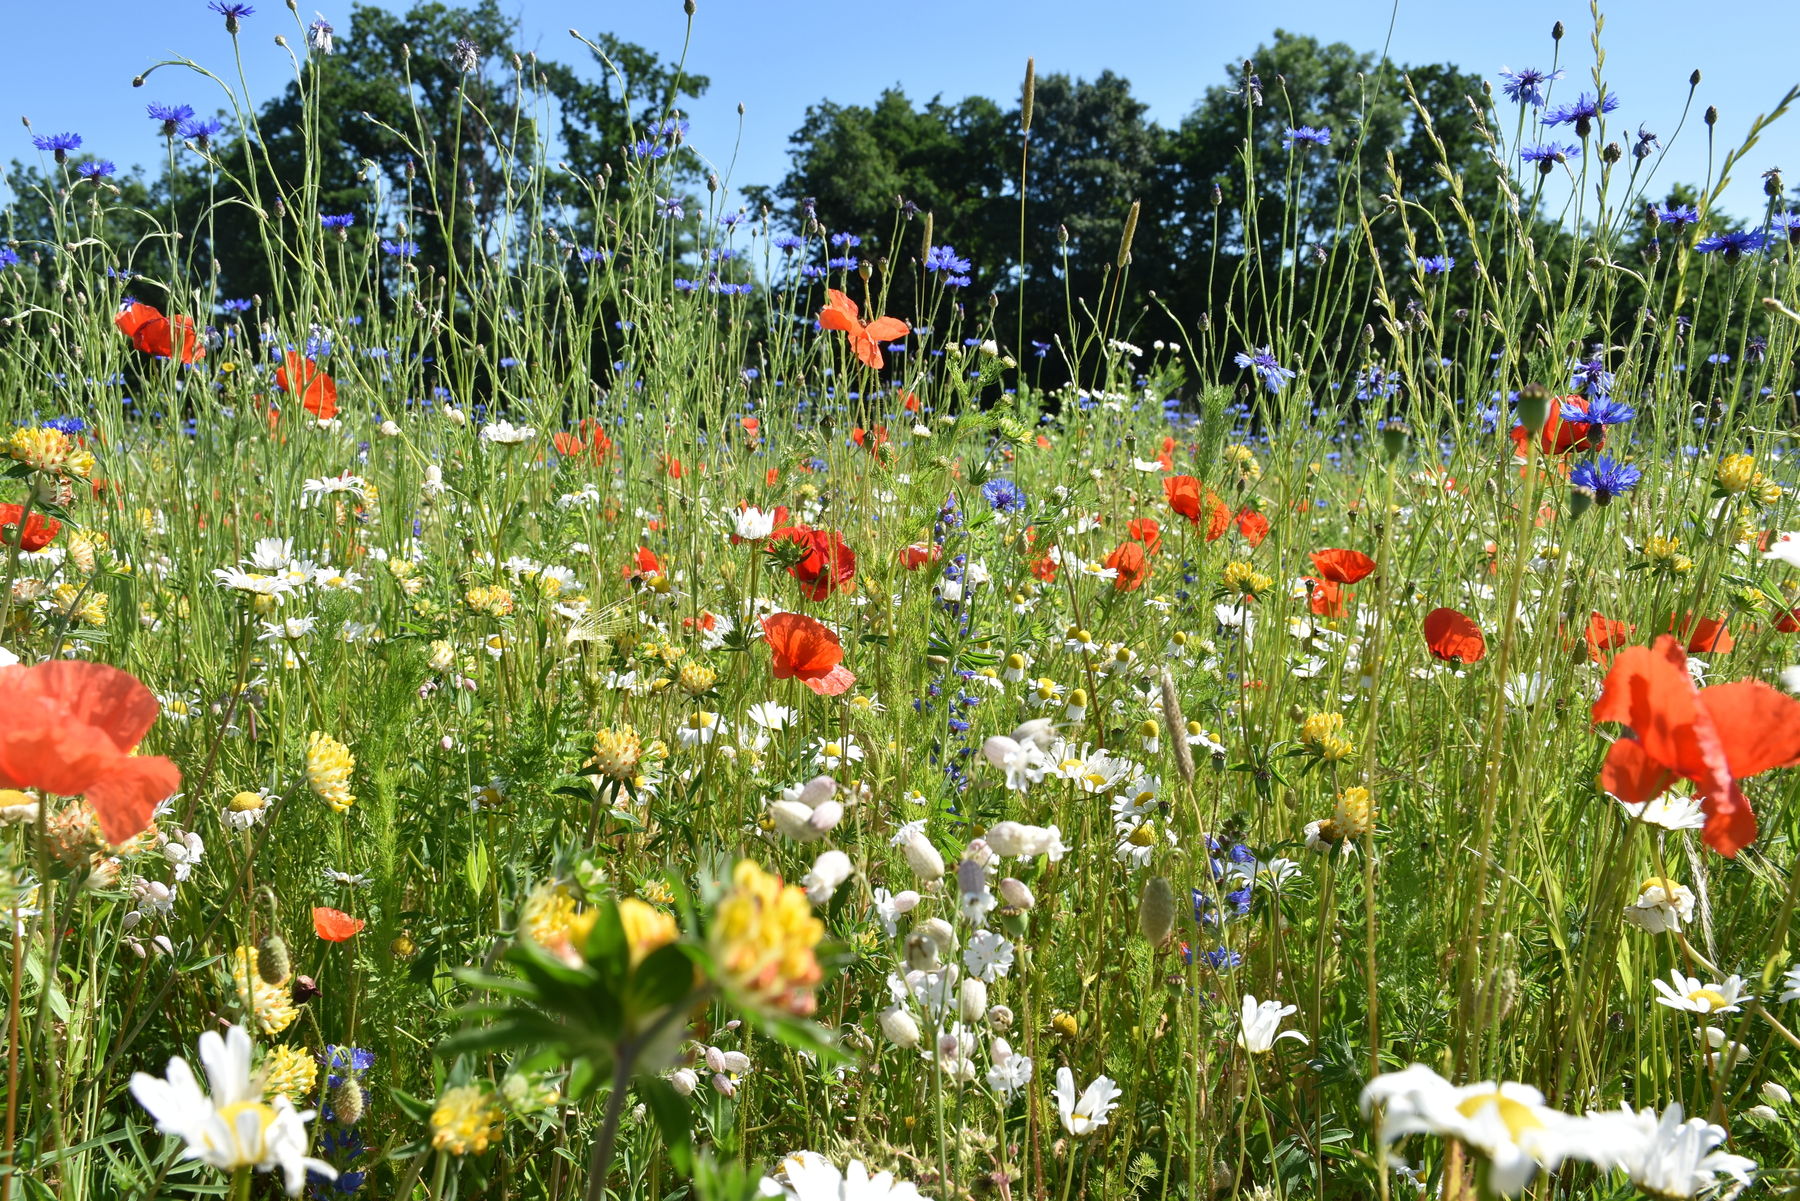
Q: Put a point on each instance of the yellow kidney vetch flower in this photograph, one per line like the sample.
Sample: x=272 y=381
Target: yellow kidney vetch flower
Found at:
x=328 y=767
x=764 y=940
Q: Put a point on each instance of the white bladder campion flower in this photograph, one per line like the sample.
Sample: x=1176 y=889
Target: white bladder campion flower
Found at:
x=235 y=1127
x=1082 y=1115
x=1666 y=1156
x=809 y=1176
x=1507 y=1122
x=1259 y=1024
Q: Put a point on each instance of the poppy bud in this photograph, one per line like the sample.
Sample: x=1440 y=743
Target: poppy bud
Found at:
x=1579 y=501
x=347 y=1103
x=1712 y=115
x=1556 y=32
x=687 y=7
x=272 y=962
x=1534 y=406
x=1394 y=436
x=1156 y=911
x=1694 y=79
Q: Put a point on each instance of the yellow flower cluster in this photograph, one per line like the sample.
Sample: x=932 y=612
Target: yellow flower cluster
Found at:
x=83 y=605
x=1321 y=733
x=289 y=1072
x=553 y=921
x=1664 y=554
x=696 y=678
x=616 y=753
x=1738 y=474
x=1355 y=813
x=490 y=600
x=50 y=451
x=271 y=1004
x=646 y=928
x=328 y=767
x=764 y=938
x=1243 y=578
x=467 y=1120
x=1244 y=460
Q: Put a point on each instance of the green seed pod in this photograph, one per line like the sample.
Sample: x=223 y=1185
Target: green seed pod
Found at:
x=1156 y=911
x=1534 y=406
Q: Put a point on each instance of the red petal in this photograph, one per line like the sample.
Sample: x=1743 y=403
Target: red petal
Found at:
x=1758 y=727
x=1631 y=775
x=125 y=795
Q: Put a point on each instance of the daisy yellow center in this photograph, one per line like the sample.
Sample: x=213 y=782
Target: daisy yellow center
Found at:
x=1516 y=1116
x=1143 y=836
x=1668 y=886
x=265 y=1117
x=1712 y=998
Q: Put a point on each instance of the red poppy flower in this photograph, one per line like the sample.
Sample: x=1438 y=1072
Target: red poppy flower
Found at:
x=1147 y=531
x=1325 y=598
x=1706 y=636
x=806 y=651
x=588 y=439
x=1183 y=492
x=300 y=376
x=909 y=402
x=869 y=440
x=1128 y=560
x=841 y=314
x=1454 y=636
x=1714 y=737
x=154 y=334
x=1559 y=436
x=644 y=562
x=1167 y=457
x=1787 y=621
x=828 y=564
x=1605 y=634
x=1253 y=526
x=920 y=553
x=70 y=728
x=334 y=925
x=1044 y=568
x=39 y=530
x=1342 y=566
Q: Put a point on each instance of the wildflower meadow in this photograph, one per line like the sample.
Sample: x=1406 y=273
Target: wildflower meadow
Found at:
x=532 y=674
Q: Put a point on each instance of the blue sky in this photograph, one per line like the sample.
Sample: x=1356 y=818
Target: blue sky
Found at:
x=777 y=56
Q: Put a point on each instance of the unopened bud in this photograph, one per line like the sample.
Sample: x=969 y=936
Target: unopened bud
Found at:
x=347 y=1102
x=272 y=962
x=1156 y=911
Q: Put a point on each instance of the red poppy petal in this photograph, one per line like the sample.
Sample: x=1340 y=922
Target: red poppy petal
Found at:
x=1758 y=727
x=125 y=795
x=835 y=682
x=1633 y=776
x=1730 y=825
x=334 y=925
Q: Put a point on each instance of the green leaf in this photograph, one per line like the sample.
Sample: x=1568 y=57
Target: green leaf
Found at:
x=665 y=977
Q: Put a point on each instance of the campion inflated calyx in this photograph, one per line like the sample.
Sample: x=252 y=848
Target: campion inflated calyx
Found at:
x=1156 y=911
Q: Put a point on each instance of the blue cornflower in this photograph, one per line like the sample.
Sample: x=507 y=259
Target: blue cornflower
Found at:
x=1787 y=223
x=1592 y=378
x=1374 y=382
x=1582 y=113
x=845 y=241
x=1548 y=155
x=1436 y=264
x=1733 y=244
x=645 y=148
x=812 y=271
x=787 y=243
x=8 y=257
x=235 y=306
x=731 y=220
x=171 y=116
x=1605 y=478
x=98 y=168
x=402 y=249
x=945 y=258
x=61 y=143
x=338 y=1058
x=1039 y=349
x=686 y=285
x=723 y=254
x=1527 y=86
x=1273 y=375
x=1602 y=410
x=201 y=129
x=67 y=425
x=1647 y=143
x=232 y=12
x=1305 y=133
x=845 y=263
x=1004 y=496
x=589 y=254
x=670 y=206
x=957 y=281
x=1677 y=215
x=674 y=128
x=337 y=220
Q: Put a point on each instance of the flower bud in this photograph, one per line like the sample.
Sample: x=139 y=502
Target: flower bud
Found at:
x=1775 y=1094
x=938 y=931
x=1000 y=1017
x=923 y=858
x=826 y=817
x=272 y=962
x=1156 y=911
x=684 y=1081
x=921 y=952
x=1533 y=407
x=794 y=820
x=347 y=1102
